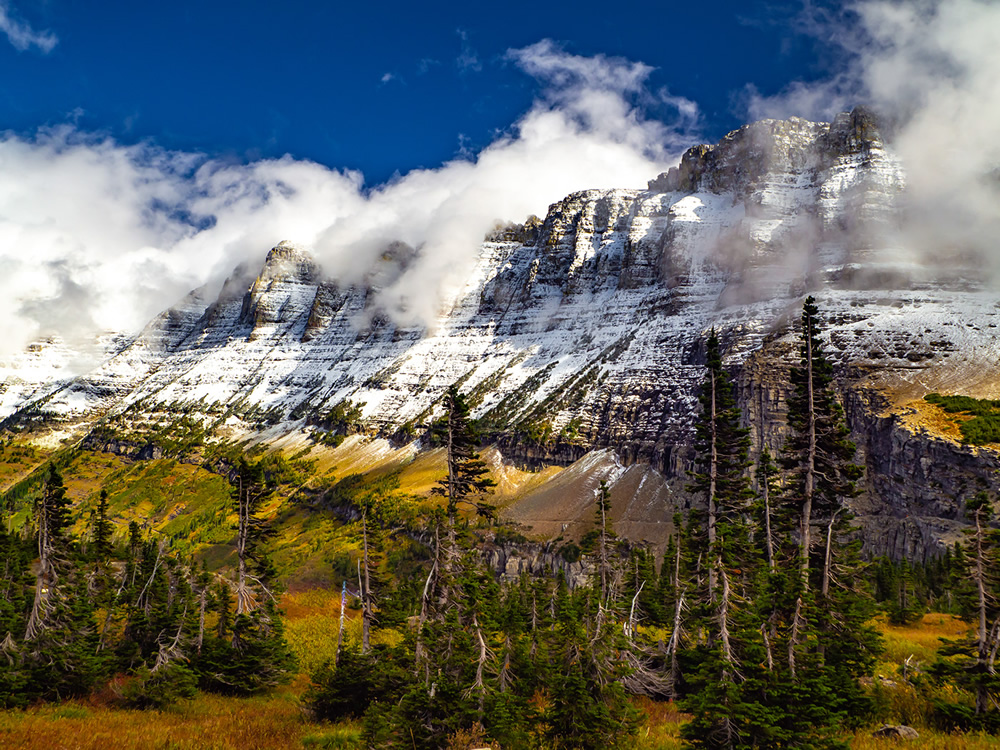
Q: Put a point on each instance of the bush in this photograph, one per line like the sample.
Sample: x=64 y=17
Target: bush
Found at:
x=157 y=690
x=347 y=688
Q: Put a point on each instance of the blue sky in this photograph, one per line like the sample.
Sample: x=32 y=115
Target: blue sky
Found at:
x=148 y=148
x=377 y=87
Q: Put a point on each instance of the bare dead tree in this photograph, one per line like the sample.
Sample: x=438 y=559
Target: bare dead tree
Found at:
x=366 y=593
x=677 y=633
x=828 y=556
x=167 y=654
x=52 y=564
x=485 y=655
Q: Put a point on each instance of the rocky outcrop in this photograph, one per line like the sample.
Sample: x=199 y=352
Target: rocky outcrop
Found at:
x=896 y=732
x=511 y=561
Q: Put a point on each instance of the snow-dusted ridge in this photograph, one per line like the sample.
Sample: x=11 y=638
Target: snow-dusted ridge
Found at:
x=586 y=334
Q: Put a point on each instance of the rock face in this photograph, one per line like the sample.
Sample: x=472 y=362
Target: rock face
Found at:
x=585 y=331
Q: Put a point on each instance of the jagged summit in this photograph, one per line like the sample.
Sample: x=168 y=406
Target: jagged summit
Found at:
x=746 y=155
x=584 y=332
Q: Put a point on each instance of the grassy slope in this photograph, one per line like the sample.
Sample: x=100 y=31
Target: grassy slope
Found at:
x=315 y=550
x=277 y=721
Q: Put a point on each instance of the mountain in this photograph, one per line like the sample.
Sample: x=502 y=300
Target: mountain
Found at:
x=580 y=340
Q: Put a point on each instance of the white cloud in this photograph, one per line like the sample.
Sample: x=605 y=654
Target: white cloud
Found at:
x=98 y=235
x=467 y=60
x=931 y=70
x=21 y=35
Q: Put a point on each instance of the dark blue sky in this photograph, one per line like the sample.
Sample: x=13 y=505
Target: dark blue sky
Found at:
x=380 y=87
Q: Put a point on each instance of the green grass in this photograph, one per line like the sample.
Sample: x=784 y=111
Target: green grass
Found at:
x=979 y=420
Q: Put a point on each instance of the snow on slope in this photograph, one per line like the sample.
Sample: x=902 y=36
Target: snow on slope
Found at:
x=592 y=328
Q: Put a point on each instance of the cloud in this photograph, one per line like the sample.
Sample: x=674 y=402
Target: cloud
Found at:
x=604 y=94
x=425 y=64
x=467 y=60
x=97 y=235
x=931 y=70
x=21 y=35
x=587 y=129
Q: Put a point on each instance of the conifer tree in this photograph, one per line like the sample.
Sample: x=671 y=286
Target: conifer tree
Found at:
x=724 y=668
x=467 y=473
x=818 y=454
x=818 y=615
x=720 y=477
x=465 y=484
x=60 y=648
x=975 y=667
x=255 y=657
x=103 y=529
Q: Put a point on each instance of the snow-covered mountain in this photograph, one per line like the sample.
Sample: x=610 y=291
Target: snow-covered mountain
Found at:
x=585 y=332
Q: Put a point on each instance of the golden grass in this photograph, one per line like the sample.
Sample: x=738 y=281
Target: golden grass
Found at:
x=921 y=639
x=663 y=725
x=312 y=621
x=927 y=740
x=209 y=722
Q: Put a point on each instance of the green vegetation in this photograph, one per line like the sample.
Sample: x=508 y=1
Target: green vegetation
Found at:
x=131 y=584
x=980 y=417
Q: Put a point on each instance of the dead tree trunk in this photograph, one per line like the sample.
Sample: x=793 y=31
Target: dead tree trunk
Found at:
x=768 y=536
x=340 y=630
x=45 y=579
x=828 y=557
x=810 y=474
x=713 y=476
x=982 y=657
x=366 y=597
x=675 y=636
x=728 y=658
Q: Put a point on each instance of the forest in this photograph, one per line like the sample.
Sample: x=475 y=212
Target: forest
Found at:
x=762 y=626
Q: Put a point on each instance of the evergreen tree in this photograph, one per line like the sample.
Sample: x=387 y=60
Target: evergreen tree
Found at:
x=103 y=529
x=724 y=676
x=818 y=454
x=59 y=653
x=467 y=473
x=15 y=604
x=972 y=662
x=721 y=448
x=465 y=484
x=819 y=643
x=248 y=653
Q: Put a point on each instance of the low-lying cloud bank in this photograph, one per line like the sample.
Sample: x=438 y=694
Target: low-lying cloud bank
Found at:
x=931 y=70
x=98 y=235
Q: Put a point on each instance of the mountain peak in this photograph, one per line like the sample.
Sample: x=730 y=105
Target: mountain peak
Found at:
x=746 y=155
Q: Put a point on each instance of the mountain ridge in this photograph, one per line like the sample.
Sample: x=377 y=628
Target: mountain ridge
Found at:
x=584 y=333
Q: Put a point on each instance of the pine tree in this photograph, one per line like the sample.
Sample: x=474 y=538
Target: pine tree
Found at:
x=818 y=454
x=60 y=649
x=819 y=641
x=255 y=657
x=724 y=672
x=721 y=447
x=15 y=604
x=975 y=666
x=467 y=472
x=103 y=529
x=465 y=484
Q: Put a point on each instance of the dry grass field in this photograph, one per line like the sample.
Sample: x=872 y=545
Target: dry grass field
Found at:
x=211 y=722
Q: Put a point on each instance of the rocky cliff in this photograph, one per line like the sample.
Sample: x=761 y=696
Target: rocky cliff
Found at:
x=583 y=336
